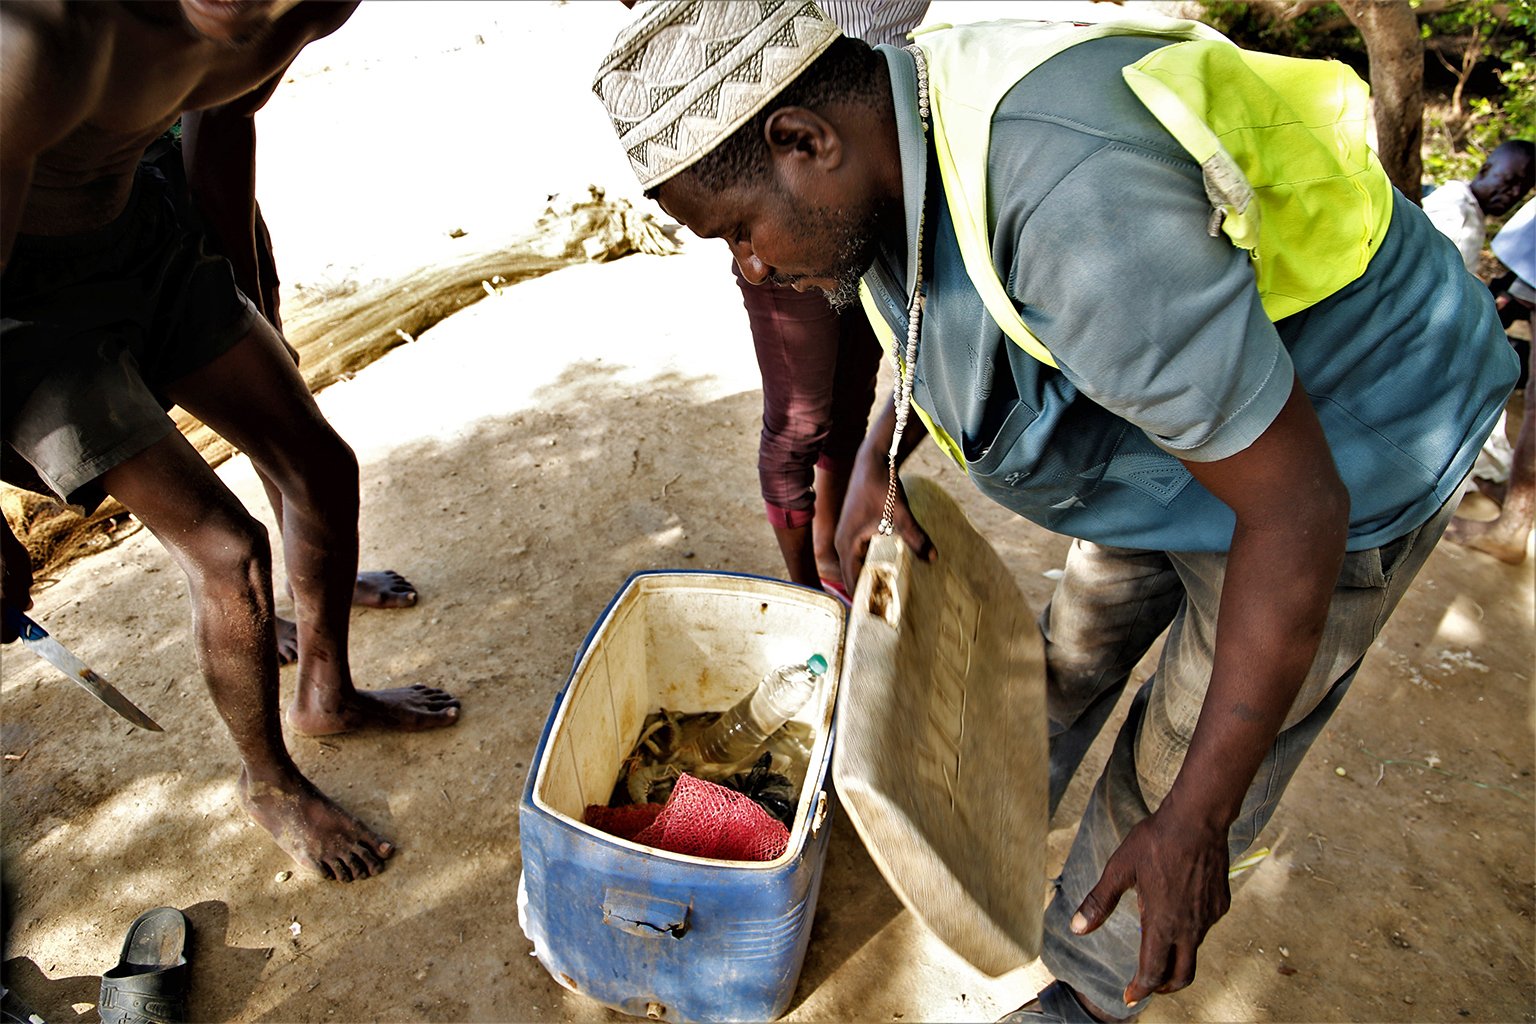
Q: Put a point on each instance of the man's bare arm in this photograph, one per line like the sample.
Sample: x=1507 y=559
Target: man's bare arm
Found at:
x=52 y=62
x=218 y=148
x=1292 y=522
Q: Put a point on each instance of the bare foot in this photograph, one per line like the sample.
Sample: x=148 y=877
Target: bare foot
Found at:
x=1494 y=492
x=1496 y=538
x=384 y=588
x=287 y=640
x=314 y=831
x=404 y=709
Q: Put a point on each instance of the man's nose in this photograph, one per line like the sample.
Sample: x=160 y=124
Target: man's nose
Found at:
x=752 y=268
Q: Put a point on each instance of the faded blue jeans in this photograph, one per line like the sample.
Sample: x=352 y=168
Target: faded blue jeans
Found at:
x=1107 y=611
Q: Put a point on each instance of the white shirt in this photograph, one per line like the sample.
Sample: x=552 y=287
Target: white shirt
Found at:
x=1454 y=211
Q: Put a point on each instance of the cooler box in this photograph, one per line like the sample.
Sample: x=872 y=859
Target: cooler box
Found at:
x=647 y=932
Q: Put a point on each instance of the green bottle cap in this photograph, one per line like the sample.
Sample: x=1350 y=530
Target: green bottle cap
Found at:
x=817 y=664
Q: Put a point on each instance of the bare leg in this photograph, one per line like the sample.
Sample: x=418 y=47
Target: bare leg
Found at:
x=285 y=631
x=1505 y=537
x=276 y=422
x=387 y=589
x=228 y=563
x=382 y=588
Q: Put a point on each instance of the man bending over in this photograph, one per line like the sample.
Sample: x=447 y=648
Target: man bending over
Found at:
x=1255 y=440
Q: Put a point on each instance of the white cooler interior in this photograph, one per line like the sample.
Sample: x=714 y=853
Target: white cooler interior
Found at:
x=688 y=643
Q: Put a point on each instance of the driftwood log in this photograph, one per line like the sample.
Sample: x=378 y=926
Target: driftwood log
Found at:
x=337 y=334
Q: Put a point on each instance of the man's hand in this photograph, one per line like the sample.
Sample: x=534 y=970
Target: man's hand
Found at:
x=15 y=576
x=1179 y=871
x=865 y=502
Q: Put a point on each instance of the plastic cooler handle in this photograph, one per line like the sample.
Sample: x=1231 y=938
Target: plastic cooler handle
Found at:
x=642 y=914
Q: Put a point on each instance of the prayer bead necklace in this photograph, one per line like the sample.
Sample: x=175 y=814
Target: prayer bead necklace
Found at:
x=905 y=371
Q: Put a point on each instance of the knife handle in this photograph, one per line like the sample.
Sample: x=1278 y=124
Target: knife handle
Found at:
x=25 y=628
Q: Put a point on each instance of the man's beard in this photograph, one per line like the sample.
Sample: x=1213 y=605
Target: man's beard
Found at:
x=857 y=235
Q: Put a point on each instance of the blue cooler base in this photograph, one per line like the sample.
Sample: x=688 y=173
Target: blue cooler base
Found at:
x=656 y=934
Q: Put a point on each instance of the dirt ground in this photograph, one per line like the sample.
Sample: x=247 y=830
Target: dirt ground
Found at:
x=520 y=460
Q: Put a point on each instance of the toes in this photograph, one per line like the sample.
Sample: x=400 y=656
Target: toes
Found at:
x=369 y=863
x=431 y=699
x=384 y=588
x=356 y=865
x=432 y=693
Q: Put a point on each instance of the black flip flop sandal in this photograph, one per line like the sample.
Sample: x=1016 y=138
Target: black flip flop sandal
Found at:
x=1054 y=1004
x=149 y=983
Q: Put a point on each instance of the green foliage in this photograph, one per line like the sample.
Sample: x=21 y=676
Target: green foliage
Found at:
x=1320 y=31
x=1457 y=142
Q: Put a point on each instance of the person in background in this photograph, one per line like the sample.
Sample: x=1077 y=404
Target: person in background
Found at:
x=1507 y=536
x=819 y=367
x=1260 y=466
x=1460 y=209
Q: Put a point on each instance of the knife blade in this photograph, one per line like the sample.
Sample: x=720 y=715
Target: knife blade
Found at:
x=38 y=641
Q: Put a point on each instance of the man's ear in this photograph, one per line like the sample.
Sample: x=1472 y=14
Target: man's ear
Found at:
x=801 y=135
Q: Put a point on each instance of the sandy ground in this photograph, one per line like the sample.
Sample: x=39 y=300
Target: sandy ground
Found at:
x=519 y=462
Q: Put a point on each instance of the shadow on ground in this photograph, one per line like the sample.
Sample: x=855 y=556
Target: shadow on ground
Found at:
x=519 y=531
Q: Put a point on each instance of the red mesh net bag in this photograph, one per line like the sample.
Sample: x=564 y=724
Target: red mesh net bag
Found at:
x=706 y=820
x=626 y=822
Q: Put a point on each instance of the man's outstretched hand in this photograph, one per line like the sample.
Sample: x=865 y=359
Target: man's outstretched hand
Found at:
x=1179 y=871
x=859 y=520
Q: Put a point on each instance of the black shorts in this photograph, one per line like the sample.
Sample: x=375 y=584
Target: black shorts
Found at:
x=95 y=326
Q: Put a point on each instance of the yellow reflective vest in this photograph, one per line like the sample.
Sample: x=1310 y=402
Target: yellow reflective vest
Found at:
x=1282 y=144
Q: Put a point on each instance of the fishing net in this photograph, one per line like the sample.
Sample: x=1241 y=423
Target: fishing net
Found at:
x=706 y=820
x=703 y=820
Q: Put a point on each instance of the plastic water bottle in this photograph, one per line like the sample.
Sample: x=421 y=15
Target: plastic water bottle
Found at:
x=741 y=732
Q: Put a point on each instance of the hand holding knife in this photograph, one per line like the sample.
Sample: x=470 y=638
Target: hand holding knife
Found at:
x=50 y=650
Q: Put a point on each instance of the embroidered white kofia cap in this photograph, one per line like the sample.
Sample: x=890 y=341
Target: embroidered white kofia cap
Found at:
x=685 y=74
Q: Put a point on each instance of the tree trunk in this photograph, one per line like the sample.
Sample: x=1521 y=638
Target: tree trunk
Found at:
x=1390 y=29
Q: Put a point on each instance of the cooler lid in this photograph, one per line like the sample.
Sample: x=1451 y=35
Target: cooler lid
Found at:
x=941 y=755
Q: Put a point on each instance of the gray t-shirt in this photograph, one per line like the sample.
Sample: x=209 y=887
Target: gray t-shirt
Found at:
x=1098 y=222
